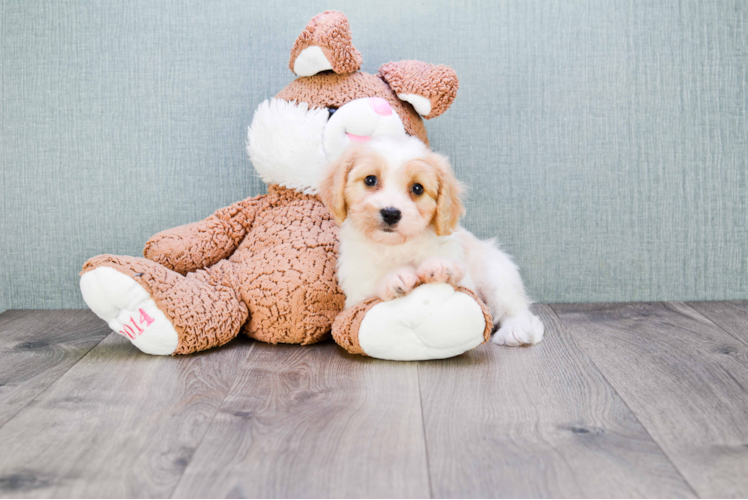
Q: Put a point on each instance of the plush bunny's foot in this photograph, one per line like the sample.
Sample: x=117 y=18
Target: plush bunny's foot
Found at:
x=161 y=311
x=433 y=322
x=128 y=310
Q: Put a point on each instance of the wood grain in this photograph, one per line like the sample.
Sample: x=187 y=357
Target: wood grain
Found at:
x=118 y=424
x=731 y=316
x=684 y=378
x=573 y=416
x=536 y=422
x=37 y=347
x=314 y=422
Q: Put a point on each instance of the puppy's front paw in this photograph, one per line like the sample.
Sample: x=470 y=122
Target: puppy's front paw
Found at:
x=522 y=329
x=397 y=284
x=439 y=270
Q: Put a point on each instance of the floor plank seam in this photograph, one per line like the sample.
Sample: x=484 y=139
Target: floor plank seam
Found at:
x=210 y=424
x=673 y=365
x=55 y=380
x=423 y=430
x=710 y=320
x=623 y=400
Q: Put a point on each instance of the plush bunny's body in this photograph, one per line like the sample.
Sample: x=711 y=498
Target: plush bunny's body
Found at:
x=267 y=264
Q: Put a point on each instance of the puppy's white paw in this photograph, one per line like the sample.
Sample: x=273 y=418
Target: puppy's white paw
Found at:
x=129 y=310
x=397 y=283
x=522 y=329
x=440 y=270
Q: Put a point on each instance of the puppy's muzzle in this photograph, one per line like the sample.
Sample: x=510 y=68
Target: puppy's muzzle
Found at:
x=391 y=216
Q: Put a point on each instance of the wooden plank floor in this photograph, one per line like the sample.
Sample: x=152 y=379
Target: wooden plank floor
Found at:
x=619 y=400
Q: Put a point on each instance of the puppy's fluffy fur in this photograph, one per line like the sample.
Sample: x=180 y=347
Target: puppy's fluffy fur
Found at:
x=373 y=182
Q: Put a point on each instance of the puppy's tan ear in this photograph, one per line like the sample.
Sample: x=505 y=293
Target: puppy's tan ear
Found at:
x=325 y=44
x=332 y=187
x=449 y=208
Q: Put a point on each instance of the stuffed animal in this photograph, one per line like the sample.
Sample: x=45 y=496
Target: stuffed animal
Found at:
x=266 y=265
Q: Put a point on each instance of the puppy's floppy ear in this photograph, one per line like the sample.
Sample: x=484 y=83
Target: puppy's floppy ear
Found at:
x=332 y=187
x=449 y=208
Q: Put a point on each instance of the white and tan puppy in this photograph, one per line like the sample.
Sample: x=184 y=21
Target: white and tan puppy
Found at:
x=398 y=206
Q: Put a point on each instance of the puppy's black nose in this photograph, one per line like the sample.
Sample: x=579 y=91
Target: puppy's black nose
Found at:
x=390 y=215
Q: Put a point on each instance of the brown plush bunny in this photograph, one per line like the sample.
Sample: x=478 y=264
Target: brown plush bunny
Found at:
x=267 y=264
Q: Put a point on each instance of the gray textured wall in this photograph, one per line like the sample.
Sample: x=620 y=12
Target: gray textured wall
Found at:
x=606 y=143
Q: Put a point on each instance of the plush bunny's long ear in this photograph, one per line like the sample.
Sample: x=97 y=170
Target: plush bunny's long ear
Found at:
x=431 y=89
x=325 y=44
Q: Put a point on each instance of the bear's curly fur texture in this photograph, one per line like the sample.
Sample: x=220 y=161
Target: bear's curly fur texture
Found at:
x=199 y=245
x=203 y=306
x=331 y=32
x=438 y=83
x=282 y=251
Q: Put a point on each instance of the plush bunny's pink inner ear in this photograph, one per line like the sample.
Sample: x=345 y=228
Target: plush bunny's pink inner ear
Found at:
x=431 y=89
x=325 y=44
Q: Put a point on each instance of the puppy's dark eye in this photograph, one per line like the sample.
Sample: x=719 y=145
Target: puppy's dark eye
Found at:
x=371 y=180
x=417 y=189
x=331 y=111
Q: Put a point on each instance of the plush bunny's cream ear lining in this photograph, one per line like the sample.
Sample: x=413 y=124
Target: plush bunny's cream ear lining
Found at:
x=311 y=61
x=420 y=103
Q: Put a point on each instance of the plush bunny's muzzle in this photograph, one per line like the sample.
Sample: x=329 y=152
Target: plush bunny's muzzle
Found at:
x=359 y=121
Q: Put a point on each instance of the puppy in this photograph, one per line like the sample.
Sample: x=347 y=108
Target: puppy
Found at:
x=398 y=206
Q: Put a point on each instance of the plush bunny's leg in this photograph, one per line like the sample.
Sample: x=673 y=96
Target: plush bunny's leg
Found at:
x=433 y=322
x=161 y=311
x=292 y=294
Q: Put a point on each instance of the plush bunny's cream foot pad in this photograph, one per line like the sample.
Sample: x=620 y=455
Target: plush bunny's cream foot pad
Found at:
x=432 y=322
x=129 y=310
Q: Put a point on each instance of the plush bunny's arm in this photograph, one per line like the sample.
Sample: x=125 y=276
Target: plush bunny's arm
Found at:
x=201 y=244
